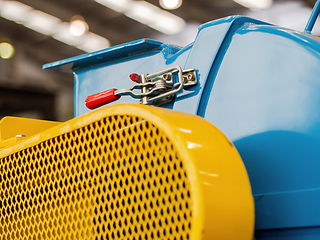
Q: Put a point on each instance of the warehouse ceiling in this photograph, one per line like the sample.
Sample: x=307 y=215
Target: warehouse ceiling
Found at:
x=112 y=25
x=33 y=49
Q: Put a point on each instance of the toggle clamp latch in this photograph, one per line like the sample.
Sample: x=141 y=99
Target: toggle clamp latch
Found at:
x=156 y=88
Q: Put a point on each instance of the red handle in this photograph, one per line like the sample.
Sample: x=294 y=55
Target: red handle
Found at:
x=135 y=77
x=99 y=99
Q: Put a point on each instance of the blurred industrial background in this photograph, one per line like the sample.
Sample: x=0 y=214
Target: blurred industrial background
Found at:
x=35 y=32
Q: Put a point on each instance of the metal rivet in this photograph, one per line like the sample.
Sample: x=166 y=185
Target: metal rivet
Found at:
x=20 y=136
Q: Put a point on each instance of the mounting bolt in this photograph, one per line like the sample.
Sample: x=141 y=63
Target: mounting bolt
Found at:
x=166 y=77
x=20 y=137
x=190 y=77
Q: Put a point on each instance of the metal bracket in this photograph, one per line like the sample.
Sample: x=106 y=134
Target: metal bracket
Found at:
x=161 y=87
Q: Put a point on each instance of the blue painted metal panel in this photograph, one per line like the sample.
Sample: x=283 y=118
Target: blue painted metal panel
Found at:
x=265 y=98
x=205 y=56
x=104 y=55
x=310 y=233
x=260 y=85
x=287 y=209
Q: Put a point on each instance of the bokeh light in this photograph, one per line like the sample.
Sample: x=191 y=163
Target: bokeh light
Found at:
x=6 y=50
x=170 y=4
x=78 y=27
x=255 y=5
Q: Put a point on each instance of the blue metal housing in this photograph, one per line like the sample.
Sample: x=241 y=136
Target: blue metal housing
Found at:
x=259 y=84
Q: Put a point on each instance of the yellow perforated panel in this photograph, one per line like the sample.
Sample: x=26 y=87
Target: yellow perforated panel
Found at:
x=117 y=178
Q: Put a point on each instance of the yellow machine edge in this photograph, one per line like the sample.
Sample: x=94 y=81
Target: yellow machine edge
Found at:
x=14 y=129
x=215 y=179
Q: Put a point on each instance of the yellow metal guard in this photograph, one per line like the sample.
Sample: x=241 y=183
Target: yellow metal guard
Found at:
x=11 y=127
x=125 y=172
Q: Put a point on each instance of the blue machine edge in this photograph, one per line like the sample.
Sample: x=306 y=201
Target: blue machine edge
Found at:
x=118 y=51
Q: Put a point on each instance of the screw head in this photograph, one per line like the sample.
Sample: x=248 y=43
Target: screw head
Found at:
x=20 y=136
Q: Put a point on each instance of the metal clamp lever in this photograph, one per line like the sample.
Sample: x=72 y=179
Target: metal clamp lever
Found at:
x=154 y=87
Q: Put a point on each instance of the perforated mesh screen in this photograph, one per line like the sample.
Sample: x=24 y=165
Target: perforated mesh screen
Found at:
x=118 y=178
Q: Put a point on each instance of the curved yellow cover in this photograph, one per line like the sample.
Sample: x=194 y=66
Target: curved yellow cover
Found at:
x=126 y=172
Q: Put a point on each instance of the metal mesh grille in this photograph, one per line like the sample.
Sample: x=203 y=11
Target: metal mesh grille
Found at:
x=118 y=178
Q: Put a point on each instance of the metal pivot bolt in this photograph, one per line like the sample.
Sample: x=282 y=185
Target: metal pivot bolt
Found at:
x=143 y=80
x=166 y=77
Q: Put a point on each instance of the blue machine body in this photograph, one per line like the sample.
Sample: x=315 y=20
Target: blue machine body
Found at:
x=260 y=85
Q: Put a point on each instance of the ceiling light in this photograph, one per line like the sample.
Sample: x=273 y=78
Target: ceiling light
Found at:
x=255 y=4
x=6 y=50
x=148 y=14
x=116 y=5
x=13 y=10
x=93 y=42
x=78 y=27
x=64 y=35
x=143 y=12
x=41 y=22
x=88 y=42
x=49 y=25
x=168 y=23
x=170 y=4
x=155 y=18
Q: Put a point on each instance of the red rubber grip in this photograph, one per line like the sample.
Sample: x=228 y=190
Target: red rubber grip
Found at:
x=99 y=99
x=135 y=77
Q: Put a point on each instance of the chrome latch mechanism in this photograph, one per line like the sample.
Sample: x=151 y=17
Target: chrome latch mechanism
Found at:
x=156 y=88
